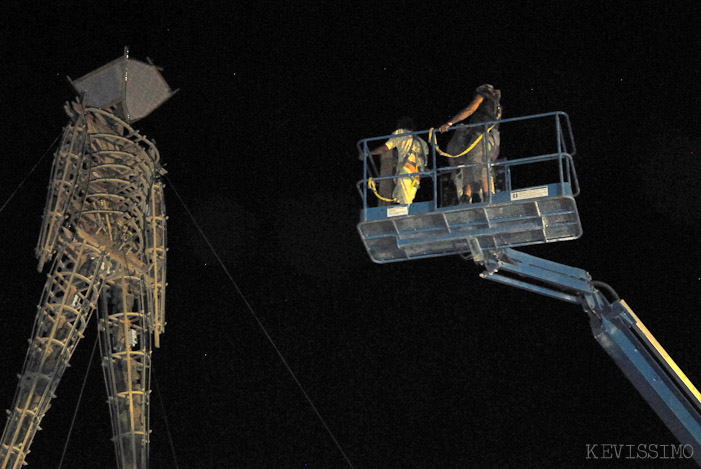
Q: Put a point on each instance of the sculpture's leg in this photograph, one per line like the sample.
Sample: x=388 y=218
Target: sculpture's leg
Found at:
x=69 y=298
x=125 y=342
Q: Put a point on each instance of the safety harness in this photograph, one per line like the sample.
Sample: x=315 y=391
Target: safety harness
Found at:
x=433 y=141
x=415 y=180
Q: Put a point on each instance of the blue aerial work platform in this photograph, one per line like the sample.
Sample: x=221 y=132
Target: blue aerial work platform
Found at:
x=531 y=201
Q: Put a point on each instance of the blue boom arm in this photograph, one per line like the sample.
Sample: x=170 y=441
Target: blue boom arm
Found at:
x=617 y=329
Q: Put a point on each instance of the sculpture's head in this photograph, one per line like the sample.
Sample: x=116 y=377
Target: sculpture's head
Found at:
x=130 y=88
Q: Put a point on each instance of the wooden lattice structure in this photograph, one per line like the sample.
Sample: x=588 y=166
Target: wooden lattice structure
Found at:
x=104 y=229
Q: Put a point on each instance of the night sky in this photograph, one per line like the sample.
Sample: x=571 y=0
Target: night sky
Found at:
x=413 y=364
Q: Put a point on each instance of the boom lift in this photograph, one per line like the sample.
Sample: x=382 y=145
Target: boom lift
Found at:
x=532 y=201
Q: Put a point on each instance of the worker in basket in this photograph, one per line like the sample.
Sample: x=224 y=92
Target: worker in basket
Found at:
x=411 y=152
x=472 y=145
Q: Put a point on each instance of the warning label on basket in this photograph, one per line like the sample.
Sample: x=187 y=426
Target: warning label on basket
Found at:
x=397 y=210
x=531 y=193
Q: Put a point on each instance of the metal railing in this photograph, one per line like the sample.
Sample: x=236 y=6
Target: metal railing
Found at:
x=524 y=147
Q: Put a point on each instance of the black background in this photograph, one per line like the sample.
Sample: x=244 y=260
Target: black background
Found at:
x=416 y=364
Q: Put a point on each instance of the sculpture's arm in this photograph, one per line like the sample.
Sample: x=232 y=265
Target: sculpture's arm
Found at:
x=64 y=178
x=156 y=258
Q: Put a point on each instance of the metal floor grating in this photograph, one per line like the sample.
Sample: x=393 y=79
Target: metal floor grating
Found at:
x=515 y=221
